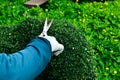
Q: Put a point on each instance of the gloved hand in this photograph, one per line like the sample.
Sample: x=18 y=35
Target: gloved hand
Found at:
x=57 y=48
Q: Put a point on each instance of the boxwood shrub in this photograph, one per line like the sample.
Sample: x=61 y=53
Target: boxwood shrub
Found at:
x=75 y=63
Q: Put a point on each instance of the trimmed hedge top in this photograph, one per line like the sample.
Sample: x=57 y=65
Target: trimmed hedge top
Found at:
x=75 y=63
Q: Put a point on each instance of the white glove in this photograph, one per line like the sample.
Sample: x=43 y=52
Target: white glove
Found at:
x=57 y=48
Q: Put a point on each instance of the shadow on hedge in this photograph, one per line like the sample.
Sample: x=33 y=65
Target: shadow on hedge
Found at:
x=75 y=63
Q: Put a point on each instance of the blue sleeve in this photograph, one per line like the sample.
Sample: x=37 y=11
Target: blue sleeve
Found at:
x=27 y=63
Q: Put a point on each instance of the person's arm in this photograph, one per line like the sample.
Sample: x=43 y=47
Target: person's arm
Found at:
x=27 y=63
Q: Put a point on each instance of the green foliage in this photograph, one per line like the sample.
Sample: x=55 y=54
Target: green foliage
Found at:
x=79 y=1
x=76 y=62
x=101 y=25
x=100 y=21
x=11 y=13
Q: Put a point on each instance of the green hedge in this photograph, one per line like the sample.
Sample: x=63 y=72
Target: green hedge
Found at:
x=75 y=63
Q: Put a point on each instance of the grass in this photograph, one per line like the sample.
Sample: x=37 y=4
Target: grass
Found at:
x=100 y=21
